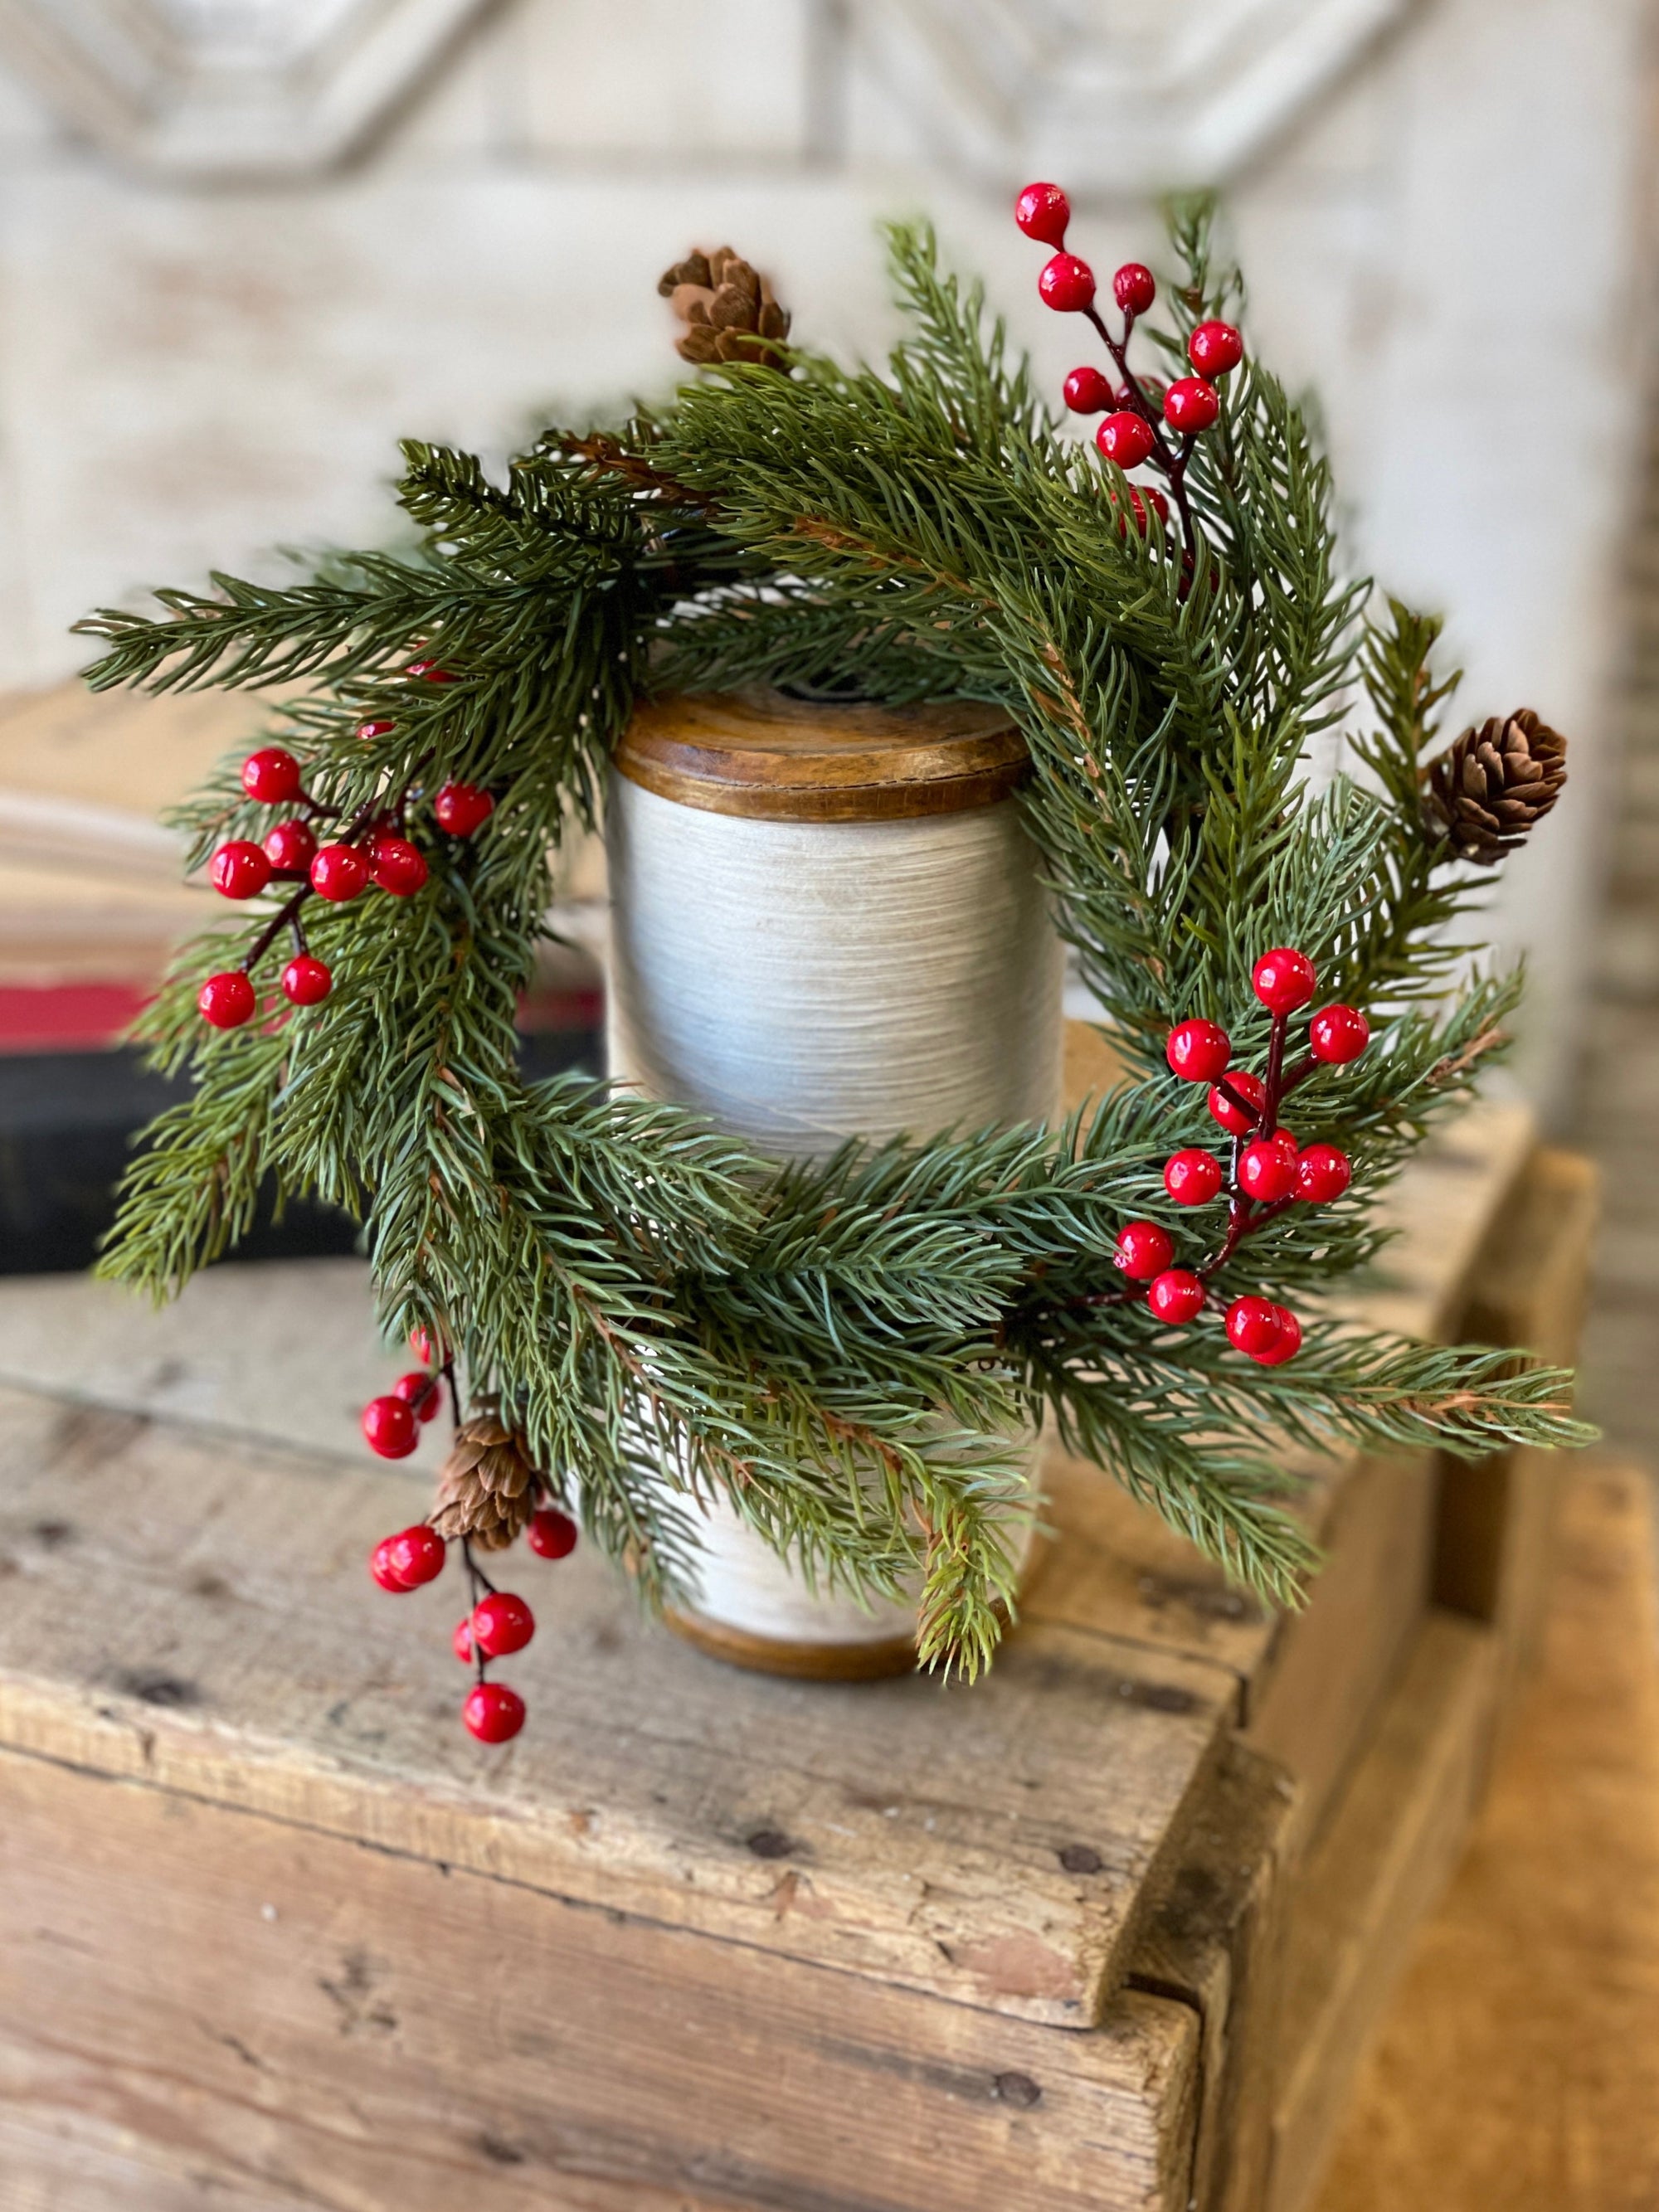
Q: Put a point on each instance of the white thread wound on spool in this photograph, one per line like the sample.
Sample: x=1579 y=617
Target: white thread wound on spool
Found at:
x=806 y=982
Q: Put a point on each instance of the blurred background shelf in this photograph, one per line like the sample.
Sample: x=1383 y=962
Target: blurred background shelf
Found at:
x=91 y=903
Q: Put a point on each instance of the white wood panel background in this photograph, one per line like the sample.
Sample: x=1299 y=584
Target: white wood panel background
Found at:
x=1445 y=226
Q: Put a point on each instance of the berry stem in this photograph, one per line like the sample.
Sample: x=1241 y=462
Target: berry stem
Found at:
x=1274 y=1078
x=287 y=916
x=1174 y=465
x=1305 y=1067
x=1234 y=1097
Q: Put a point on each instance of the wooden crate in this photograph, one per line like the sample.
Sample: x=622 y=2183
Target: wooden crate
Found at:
x=1109 y=1930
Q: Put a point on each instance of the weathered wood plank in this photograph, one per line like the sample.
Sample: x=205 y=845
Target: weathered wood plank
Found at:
x=1317 y=1696
x=1217 y=1940
x=364 y=2029
x=1380 y=1866
x=197 y=1613
x=1496 y=1517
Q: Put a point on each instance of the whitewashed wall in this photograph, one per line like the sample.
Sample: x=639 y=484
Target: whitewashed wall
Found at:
x=1448 y=242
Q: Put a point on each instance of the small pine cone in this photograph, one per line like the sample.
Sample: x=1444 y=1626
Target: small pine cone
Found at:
x=728 y=309
x=487 y=1486
x=1486 y=791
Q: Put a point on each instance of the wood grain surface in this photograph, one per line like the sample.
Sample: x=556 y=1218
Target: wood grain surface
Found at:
x=373 y=2029
x=226 y=1640
x=777 y=759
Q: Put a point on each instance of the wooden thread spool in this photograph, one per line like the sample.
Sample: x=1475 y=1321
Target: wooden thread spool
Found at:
x=826 y=921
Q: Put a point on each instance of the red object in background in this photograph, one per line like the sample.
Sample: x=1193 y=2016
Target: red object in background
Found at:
x=68 y=1017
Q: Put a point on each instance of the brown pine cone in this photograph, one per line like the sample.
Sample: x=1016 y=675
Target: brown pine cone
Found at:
x=728 y=309
x=1486 y=791
x=487 y=1486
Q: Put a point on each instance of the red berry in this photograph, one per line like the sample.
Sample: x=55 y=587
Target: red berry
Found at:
x=1266 y=1171
x=1143 y=1250
x=493 y=1712
x=431 y=671
x=421 y=1392
x=1042 y=212
x=461 y=808
x=339 y=872
x=1176 y=1297
x=1283 y=980
x=227 y=1000
x=460 y=1642
x=396 y=865
x=370 y=730
x=551 y=1535
x=501 y=1623
x=380 y=1566
x=291 y=845
x=1199 y=1051
x=423 y=1349
x=1286 y=1344
x=1066 y=284
x=1135 y=288
x=1190 y=404
x=240 y=870
x=1193 y=1177
x=415 y=1554
x=306 y=981
x=1338 y=1035
x=1141 y=498
x=1088 y=392
x=1323 y=1173
x=1126 y=439
x=272 y=776
x=1253 y=1325
x=1214 y=348
x=1235 y=1122
x=390 y=1428
x=1287 y=1145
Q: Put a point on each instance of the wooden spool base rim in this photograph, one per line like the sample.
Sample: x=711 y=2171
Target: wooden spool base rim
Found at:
x=875 y=1659
x=809 y=1659
x=771 y=759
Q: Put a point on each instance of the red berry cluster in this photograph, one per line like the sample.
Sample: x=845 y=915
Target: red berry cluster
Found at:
x=500 y=1622
x=1138 y=410
x=371 y=849
x=1268 y=1169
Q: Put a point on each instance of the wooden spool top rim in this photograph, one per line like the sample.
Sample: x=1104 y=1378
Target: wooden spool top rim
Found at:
x=773 y=758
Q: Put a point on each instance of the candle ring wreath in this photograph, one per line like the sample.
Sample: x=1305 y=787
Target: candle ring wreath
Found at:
x=628 y=1310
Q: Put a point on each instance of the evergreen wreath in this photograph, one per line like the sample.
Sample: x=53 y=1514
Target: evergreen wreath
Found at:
x=625 y=1289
